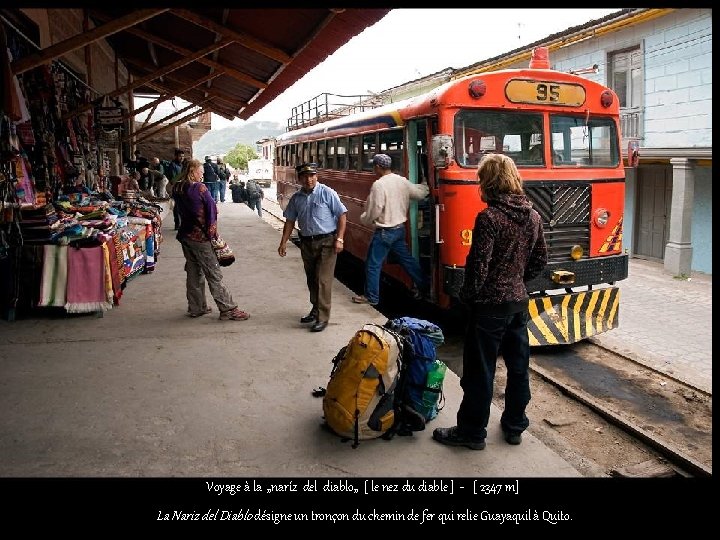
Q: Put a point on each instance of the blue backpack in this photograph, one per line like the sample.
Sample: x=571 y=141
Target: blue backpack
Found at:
x=423 y=372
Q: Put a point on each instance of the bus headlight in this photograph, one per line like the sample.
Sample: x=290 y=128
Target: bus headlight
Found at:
x=601 y=217
x=576 y=252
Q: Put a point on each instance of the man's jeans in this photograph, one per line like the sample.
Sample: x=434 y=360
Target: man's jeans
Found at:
x=384 y=241
x=255 y=204
x=214 y=189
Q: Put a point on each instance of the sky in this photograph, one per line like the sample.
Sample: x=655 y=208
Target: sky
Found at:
x=398 y=49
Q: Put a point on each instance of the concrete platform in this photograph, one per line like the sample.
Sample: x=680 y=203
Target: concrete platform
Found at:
x=146 y=391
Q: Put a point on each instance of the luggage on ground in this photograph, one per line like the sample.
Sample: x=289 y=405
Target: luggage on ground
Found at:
x=423 y=372
x=387 y=380
x=359 y=403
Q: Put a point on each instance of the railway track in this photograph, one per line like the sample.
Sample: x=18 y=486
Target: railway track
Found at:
x=662 y=417
x=678 y=458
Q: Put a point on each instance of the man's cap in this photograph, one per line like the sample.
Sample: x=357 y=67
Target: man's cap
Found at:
x=382 y=160
x=306 y=168
x=207 y=158
x=179 y=151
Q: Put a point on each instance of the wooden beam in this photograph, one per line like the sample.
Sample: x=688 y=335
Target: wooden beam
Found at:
x=169 y=94
x=243 y=39
x=49 y=54
x=157 y=74
x=175 y=113
x=214 y=92
x=231 y=72
x=175 y=123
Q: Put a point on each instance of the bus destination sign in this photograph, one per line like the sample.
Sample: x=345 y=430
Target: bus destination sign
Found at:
x=545 y=93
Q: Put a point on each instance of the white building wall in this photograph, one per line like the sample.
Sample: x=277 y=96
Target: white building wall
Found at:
x=678 y=80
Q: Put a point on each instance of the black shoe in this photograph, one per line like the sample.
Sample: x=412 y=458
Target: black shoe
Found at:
x=319 y=326
x=512 y=438
x=310 y=317
x=451 y=437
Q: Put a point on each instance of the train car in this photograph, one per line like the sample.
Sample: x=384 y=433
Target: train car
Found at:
x=563 y=132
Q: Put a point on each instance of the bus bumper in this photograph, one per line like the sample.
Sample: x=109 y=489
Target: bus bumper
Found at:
x=568 y=318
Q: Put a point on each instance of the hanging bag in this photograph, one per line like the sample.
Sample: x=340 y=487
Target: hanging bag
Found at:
x=225 y=255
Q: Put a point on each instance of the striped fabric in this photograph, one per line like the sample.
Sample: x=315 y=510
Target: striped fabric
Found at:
x=53 y=283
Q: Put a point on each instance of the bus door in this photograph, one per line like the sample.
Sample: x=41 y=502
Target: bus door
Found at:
x=420 y=213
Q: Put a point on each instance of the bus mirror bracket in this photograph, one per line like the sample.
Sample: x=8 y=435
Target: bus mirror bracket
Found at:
x=442 y=151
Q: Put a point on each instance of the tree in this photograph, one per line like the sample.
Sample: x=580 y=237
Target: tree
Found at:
x=238 y=157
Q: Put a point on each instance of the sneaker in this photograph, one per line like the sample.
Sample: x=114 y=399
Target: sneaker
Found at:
x=205 y=312
x=363 y=300
x=452 y=437
x=512 y=438
x=234 y=315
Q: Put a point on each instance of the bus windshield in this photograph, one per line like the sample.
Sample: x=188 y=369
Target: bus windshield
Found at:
x=577 y=140
x=517 y=134
x=584 y=142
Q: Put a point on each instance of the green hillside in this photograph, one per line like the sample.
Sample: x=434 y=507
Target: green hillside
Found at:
x=220 y=141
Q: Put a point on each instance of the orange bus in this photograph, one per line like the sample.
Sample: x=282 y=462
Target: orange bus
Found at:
x=563 y=133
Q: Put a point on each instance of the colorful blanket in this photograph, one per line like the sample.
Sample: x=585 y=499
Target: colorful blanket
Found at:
x=86 y=280
x=53 y=283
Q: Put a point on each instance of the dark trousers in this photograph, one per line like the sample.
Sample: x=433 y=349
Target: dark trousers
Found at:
x=319 y=259
x=176 y=216
x=485 y=338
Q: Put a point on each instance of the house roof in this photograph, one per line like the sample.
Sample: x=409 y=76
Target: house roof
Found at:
x=231 y=62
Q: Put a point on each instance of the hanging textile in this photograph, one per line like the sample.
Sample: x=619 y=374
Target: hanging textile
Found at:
x=53 y=283
x=86 y=280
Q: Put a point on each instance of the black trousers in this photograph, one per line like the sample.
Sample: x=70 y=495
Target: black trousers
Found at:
x=487 y=337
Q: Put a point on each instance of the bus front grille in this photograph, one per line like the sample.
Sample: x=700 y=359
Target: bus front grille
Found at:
x=565 y=211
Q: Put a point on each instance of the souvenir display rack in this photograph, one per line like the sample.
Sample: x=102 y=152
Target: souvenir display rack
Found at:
x=65 y=240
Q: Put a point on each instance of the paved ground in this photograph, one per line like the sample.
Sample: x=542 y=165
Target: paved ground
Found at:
x=665 y=323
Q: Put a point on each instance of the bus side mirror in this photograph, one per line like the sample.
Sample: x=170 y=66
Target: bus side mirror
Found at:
x=442 y=151
x=633 y=154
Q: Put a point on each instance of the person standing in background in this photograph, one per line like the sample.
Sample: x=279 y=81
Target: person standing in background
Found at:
x=211 y=178
x=255 y=195
x=322 y=217
x=508 y=249
x=176 y=166
x=223 y=175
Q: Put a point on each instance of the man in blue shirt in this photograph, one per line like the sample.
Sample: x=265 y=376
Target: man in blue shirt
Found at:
x=321 y=217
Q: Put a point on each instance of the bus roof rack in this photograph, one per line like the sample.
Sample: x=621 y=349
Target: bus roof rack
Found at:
x=328 y=106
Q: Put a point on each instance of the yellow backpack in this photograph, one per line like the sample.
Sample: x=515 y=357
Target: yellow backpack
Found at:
x=360 y=402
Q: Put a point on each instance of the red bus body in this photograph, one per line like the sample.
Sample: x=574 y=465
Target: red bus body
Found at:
x=573 y=174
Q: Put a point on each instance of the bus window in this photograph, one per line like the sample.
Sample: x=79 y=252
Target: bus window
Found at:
x=354 y=153
x=313 y=152
x=305 y=153
x=582 y=142
x=321 y=154
x=341 y=150
x=369 y=149
x=511 y=133
x=391 y=143
x=331 y=162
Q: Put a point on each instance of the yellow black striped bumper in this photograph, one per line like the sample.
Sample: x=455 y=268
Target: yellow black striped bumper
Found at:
x=568 y=318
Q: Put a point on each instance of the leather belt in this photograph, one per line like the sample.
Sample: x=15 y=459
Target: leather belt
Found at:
x=313 y=237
